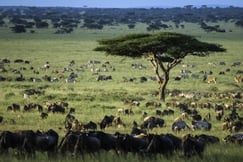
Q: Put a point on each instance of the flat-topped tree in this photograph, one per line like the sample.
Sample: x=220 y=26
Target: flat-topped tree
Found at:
x=164 y=50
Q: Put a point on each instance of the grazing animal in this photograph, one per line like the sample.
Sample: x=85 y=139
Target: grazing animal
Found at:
x=14 y=107
x=179 y=125
x=106 y=121
x=160 y=144
x=128 y=143
x=77 y=142
x=56 y=108
x=118 y=122
x=238 y=79
x=90 y=126
x=87 y=144
x=125 y=111
x=208 y=139
x=1 y=119
x=152 y=104
x=69 y=141
x=46 y=142
x=212 y=79
x=234 y=138
x=151 y=122
x=43 y=115
x=201 y=125
x=107 y=141
x=22 y=141
x=137 y=131
x=104 y=77
x=192 y=146
x=196 y=117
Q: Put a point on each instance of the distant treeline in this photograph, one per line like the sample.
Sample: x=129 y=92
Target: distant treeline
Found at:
x=65 y=19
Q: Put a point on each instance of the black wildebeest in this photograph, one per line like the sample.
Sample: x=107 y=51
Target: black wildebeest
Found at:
x=90 y=126
x=107 y=141
x=55 y=108
x=159 y=144
x=234 y=138
x=128 y=143
x=69 y=142
x=178 y=125
x=104 y=77
x=23 y=141
x=106 y=121
x=46 y=142
x=201 y=125
x=208 y=139
x=151 y=122
x=192 y=146
x=79 y=143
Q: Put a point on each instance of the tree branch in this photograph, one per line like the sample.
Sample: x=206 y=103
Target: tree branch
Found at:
x=154 y=62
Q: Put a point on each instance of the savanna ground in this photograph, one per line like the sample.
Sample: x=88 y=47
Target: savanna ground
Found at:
x=92 y=100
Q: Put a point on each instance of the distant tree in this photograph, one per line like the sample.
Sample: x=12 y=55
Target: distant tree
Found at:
x=131 y=26
x=239 y=23
x=164 y=51
x=41 y=24
x=153 y=27
x=18 y=28
x=2 y=22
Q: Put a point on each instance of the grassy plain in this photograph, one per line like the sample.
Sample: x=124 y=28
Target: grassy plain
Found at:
x=92 y=100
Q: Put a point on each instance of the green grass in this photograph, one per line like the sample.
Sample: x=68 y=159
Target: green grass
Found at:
x=93 y=99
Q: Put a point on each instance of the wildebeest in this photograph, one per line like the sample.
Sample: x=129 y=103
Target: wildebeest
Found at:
x=71 y=78
x=192 y=146
x=118 y=122
x=178 y=125
x=128 y=143
x=87 y=144
x=143 y=79
x=104 y=77
x=236 y=63
x=107 y=141
x=69 y=142
x=136 y=131
x=55 y=108
x=71 y=110
x=14 y=107
x=152 y=104
x=125 y=111
x=208 y=139
x=106 y=121
x=151 y=122
x=43 y=115
x=131 y=102
x=68 y=121
x=160 y=144
x=46 y=141
x=33 y=106
x=196 y=117
x=90 y=126
x=234 y=138
x=1 y=119
x=23 y=141
x=201 y=125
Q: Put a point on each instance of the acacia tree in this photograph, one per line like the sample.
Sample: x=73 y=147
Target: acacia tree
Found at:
x=164 y=50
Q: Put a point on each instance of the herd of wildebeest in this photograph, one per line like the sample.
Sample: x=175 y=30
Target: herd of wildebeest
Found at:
x=91 y=137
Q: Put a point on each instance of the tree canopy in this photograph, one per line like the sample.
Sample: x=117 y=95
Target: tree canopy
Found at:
x=165 y=50
x=166 y=44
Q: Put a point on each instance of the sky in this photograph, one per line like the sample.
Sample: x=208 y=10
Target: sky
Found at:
x=120 y=3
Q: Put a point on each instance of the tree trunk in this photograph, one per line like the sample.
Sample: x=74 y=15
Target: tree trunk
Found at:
x=163 y=86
